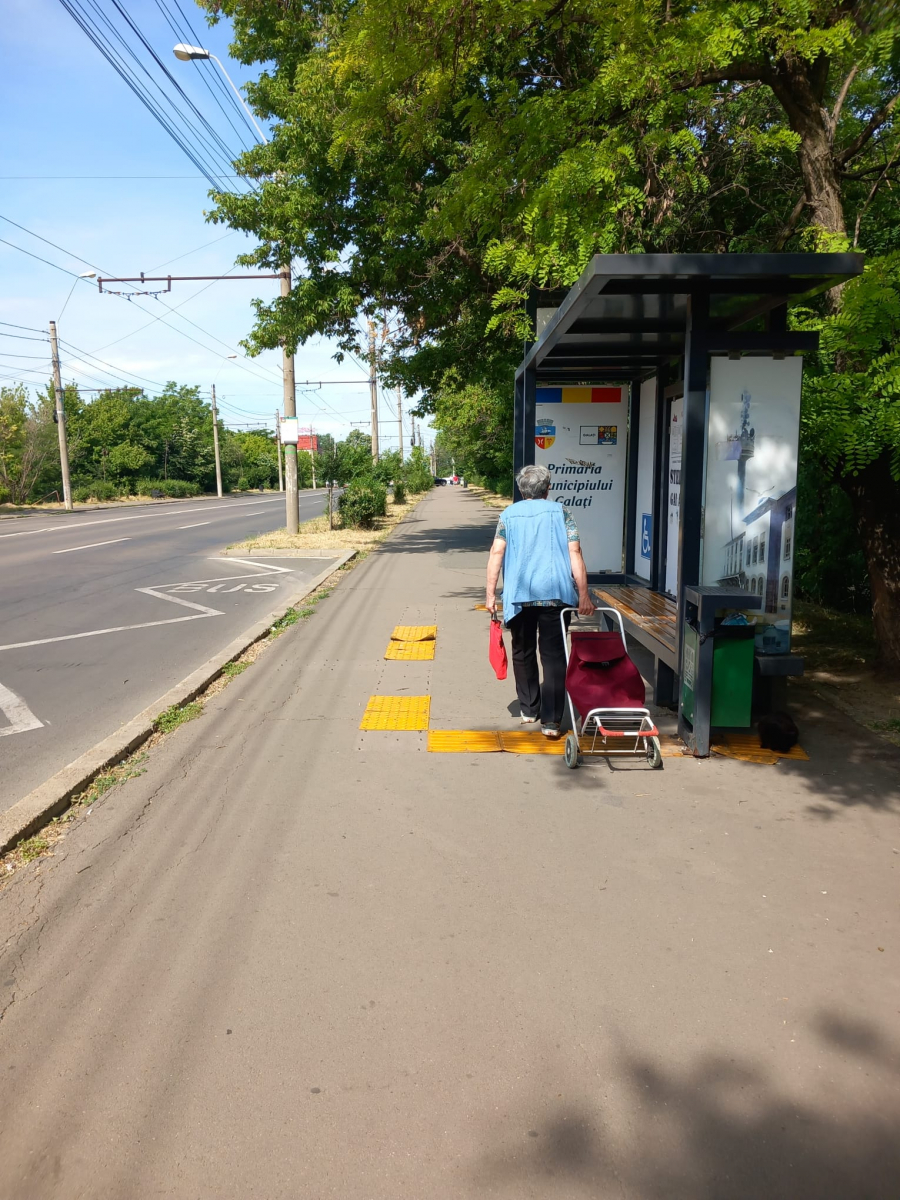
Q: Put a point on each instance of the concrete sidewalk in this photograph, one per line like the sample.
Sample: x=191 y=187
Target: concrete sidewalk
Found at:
x=297 y=960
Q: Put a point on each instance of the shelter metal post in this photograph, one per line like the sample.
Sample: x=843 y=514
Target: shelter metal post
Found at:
x=518 y=423
x=696 y=371
x=634 y=422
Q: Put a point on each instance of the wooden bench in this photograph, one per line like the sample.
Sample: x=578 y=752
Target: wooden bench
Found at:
x=651 y=619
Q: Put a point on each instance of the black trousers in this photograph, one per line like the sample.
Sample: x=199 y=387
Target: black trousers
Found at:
x=548 y=701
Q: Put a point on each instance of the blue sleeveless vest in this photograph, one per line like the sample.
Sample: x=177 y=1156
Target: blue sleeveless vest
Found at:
x=536 y=563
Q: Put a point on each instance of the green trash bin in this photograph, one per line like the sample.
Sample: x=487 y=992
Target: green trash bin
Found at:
x=732 y=682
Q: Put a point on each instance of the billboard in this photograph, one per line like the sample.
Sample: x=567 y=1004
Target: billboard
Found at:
x=581 y=437
x=308 y=441
x=751 y=487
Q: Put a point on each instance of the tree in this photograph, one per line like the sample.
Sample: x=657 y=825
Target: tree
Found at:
x=444 y=162
x=27 y=441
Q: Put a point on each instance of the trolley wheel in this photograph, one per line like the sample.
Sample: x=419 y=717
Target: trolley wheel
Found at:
x=654 y=754
x=571 y=751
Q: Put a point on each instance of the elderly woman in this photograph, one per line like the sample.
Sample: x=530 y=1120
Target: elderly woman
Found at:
x=537 y=546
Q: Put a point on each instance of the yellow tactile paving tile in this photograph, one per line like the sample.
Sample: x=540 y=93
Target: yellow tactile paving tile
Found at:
x=396 y=713
x=521 y=741
x=409 y=651
x=463 y=741
x=746 y=748
x=414 y=633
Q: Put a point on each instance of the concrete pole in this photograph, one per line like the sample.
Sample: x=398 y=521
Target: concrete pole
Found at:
x=373 y=391
x=400 y=418
x=291 y=494
x=278 y=449
x=312 y=457
x=215 y=417
x=60 y=419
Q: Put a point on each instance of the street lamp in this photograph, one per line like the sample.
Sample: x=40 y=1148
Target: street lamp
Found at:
x=187 y=53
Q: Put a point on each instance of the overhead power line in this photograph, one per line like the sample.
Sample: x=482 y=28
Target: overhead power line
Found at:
x=157 y=89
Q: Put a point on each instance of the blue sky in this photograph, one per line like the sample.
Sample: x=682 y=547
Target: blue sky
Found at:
x=69 y=116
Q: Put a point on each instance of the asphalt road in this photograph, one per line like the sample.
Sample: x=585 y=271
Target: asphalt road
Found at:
x=101 y=613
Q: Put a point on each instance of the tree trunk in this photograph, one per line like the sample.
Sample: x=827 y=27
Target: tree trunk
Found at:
x=799 y=87
x=875 y=497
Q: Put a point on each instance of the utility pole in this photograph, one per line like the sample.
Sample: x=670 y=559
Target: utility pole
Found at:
x=278 y=449
x=215 y=417
x=400 y=418
x=373 y=391
x=291 y=495
x=60 y=419
x=312 y=457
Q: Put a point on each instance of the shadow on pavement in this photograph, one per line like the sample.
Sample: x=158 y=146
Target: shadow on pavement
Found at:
x=720 y=1129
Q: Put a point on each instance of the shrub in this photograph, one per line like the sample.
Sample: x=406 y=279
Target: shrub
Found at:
x=399 y=491
x=100 y=489
x=175 y=489
x=364 y=501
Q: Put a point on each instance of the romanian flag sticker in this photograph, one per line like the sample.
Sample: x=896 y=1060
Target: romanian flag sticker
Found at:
x=544 y=436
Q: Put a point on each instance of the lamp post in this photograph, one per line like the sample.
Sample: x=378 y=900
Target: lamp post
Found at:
x=191 y=53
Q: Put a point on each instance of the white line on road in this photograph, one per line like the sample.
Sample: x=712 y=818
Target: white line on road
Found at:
x=26 y=532
x=17 y=712
x=90 y=546
x=203 y=610
x=197 y=526
x=143 y=516
x=69 y=637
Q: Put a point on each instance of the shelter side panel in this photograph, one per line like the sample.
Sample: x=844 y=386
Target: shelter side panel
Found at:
x=581 y=437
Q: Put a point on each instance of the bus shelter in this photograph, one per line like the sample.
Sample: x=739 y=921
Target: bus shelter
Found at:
x=662 y=392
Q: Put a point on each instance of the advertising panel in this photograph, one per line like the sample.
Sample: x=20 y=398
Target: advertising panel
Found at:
x=673 y=516
x=581 y=437
x=751 y=487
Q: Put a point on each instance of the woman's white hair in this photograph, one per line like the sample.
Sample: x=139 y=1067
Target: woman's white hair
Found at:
x=533 y=482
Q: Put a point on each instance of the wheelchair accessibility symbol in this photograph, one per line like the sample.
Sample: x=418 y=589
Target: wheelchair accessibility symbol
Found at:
x=646 y=534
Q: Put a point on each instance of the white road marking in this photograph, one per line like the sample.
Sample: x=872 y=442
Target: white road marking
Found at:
x=197 y=526
x=26 y=532
x=91 y=546
x=202 y=609
x=141 y=517
x=270 y=567
x=17 y=712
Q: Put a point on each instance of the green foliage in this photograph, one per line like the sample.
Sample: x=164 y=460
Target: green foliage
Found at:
x=32 y=848
x=100 y=489
x=177 y=714
x=399 y=491
x=364 y=501
x=173 y=488
x=476 y=428
x=27 y=443
x=829 y=566
x=418 y=471
x=852 y=409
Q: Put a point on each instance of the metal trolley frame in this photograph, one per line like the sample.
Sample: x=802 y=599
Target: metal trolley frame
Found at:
x=634 y=726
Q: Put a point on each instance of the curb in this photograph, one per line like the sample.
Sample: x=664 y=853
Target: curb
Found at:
x=263 y=553
x=51 y=798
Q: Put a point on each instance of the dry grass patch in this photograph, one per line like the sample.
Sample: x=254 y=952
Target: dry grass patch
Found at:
x=315 y=534
x=491 y=499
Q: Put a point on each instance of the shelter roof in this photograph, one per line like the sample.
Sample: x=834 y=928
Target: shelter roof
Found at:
x=628 y=312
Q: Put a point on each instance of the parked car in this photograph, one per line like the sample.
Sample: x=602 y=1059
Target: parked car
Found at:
x=439 y=482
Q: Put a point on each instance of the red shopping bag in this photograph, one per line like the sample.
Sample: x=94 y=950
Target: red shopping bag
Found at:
x=496 y=650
